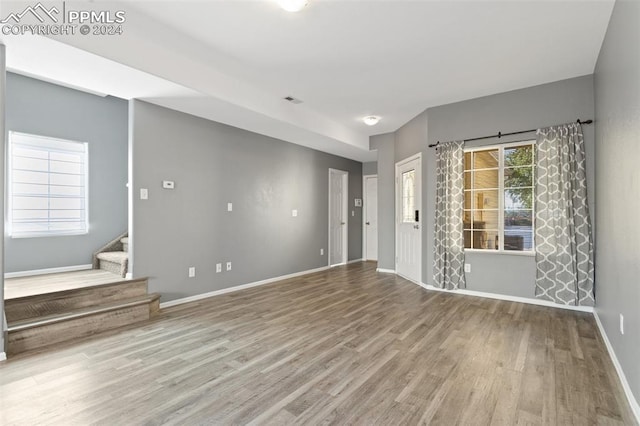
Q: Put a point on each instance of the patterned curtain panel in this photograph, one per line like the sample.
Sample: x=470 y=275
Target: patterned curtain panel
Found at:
x=449 y=238
x=564 y=249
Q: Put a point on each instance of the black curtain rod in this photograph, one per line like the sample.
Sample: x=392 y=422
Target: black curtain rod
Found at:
x=500 y=134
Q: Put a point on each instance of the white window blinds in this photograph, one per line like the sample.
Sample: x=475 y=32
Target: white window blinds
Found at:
x=47 y=186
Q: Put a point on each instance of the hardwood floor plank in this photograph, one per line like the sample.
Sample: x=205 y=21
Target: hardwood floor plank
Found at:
x=343 y=346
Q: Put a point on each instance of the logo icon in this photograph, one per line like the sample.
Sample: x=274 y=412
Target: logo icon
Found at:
x=38 y=11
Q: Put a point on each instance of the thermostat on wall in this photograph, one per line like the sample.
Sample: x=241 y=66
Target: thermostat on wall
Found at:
x=168 y=184
x=358 y=202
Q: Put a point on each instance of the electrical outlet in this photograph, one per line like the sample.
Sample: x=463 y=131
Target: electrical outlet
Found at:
x=353 y=212
x=321 y=252
x=218 y=267
x=228 y=266
x=192 y=271
x=621 y=324
x=467 y=267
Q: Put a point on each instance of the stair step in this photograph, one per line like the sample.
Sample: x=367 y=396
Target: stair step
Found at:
x=35 y=333
x=125 y=244
x=52 y=303
x=114 y=261
x=114 y=256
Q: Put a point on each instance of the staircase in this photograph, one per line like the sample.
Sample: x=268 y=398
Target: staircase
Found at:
x=41 y=320
x=114 y=257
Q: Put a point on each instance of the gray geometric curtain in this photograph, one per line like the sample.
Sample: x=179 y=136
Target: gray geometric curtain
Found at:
x=564 y=248
x=449 y=237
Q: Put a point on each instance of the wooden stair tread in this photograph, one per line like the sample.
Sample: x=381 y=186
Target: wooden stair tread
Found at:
x=68 y=291
x=79 y=313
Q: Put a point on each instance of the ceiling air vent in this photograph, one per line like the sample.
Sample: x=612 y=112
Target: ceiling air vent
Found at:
x=292 y=100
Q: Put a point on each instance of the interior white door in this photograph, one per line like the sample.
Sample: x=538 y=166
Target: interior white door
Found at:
x=371 y=217
x=337 y=217
x=408 y=217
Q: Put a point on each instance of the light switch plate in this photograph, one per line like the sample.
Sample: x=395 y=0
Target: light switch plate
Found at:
x=144 y=194
x=467 y=267
x=218 y=267
x=294 y=213
x=229 y=207
x=192 y=271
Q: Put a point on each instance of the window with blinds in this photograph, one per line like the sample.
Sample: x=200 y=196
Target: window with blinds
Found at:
x=48 y=186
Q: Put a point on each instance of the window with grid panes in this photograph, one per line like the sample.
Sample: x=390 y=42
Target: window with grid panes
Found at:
x=498 y=209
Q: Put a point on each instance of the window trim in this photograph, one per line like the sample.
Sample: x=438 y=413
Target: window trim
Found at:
x=9 y=191
x=501 y=147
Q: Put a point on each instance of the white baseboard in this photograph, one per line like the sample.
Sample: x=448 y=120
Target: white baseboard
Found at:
x=386 y=271
x=238 y=287
x=355 y=261
x=47 y=271
x=3 y=356
x=509 y=298
x=623 y=379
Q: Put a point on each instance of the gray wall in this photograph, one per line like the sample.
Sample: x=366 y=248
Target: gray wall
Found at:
x=411 y=138
x=213 y=164
x=530 y=108
x=41 y=108
x=370 y=168
x=384 y=144
x=617 y=96
x=540 y=106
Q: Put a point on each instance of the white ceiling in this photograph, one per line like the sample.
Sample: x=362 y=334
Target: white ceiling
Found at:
x=233 y=61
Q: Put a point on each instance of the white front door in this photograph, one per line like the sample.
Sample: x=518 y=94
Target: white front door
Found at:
x=338 y=181
x=371 y=217
x=408 y=218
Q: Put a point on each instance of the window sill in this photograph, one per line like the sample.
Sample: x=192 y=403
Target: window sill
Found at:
x=502 y=252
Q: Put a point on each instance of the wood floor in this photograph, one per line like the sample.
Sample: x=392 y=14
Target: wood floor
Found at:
x=39 y=284
x=346 y=346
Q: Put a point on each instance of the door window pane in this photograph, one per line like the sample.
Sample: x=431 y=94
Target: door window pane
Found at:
x=408 y=196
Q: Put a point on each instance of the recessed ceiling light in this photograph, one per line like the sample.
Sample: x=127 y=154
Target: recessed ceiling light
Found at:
x=292 y=5
x=371 y=120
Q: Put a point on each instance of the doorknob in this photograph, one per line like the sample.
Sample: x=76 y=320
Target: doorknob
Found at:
x=342 y=223
x=368 y=223
x=416 y=226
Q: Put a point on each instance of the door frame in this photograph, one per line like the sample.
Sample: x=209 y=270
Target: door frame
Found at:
x=397 y=207
x=345 y=212
x=364 y=215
